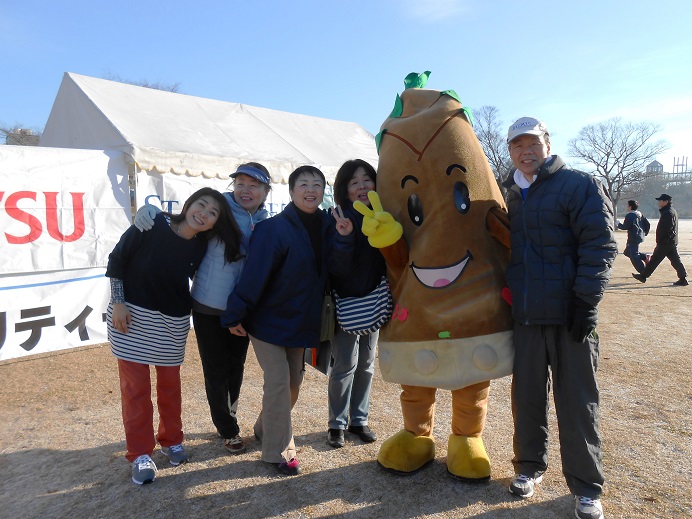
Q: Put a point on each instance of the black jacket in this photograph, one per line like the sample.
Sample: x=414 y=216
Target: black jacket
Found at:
x=360 y=276
x=562 y=244
x=667 y=228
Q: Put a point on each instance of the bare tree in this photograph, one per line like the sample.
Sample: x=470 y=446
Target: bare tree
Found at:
x=19 y=135
x=173 y=87
x=619 y=152
x=491 y=132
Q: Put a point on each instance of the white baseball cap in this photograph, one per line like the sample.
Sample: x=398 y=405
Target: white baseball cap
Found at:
x=526 y=126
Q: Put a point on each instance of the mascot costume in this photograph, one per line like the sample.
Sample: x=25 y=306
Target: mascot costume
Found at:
x=444 y=233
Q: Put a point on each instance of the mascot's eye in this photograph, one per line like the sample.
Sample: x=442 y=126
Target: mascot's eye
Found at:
x=415 y=210
x=462 y=200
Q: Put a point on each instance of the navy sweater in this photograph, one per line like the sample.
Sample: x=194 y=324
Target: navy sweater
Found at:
x=156 y=267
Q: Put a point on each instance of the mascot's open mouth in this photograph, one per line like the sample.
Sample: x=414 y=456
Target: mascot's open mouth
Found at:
x=440 y=277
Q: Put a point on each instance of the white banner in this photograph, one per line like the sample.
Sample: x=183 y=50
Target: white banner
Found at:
x=60 y=209
x=52 y=311
x=169 y=191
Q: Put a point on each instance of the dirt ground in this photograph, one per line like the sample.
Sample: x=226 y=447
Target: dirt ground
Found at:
x=62 y=441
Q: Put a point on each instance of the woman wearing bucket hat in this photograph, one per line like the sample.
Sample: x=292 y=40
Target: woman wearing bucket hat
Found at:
x=222 y=353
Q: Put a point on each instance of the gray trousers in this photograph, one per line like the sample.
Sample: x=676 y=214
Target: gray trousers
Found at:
x=283 y=375
x=351 y=378
x=539 y=352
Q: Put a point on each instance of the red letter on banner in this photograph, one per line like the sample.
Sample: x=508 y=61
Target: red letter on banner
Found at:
x=22 y=216
x=52 y=217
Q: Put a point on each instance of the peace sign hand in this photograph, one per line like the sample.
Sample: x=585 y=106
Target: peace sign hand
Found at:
x=344 y=226
x=379 y=226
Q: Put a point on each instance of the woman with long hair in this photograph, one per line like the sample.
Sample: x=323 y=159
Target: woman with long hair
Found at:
x=149 y=319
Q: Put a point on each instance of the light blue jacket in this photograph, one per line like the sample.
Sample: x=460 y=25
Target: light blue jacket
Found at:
x=215 y=278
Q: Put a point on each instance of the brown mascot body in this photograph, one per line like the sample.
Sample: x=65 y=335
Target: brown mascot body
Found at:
x=444 y=233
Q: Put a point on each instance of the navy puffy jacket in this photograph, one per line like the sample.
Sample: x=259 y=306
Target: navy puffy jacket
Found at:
x=562 y=244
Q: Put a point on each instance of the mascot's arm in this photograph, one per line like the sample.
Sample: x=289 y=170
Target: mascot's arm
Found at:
x=497 y=223
x=396 y=256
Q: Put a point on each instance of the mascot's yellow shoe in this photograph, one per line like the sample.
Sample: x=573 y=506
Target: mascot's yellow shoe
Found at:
x=404 y=453
x=467 y=459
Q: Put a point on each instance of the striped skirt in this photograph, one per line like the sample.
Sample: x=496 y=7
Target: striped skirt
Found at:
x=152 y=337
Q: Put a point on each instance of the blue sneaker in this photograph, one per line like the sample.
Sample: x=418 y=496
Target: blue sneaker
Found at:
x=143 y=470
x=176 y=454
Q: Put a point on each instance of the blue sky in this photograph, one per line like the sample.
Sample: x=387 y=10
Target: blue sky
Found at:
x=570 y=63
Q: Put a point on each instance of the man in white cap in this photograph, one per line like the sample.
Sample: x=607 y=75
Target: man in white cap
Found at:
x=666 y=243
x=562 y=249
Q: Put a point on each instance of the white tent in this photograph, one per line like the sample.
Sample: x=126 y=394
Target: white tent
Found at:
x=166 y=132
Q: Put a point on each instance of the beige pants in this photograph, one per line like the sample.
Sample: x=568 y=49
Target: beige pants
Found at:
x=283 y=375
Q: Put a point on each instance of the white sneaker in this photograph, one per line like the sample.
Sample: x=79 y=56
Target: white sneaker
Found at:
x=523 y=486
x=234 y=445
x=143 y=470
x=587 y=508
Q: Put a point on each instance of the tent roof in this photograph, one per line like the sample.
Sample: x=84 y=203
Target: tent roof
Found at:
x=189 y=135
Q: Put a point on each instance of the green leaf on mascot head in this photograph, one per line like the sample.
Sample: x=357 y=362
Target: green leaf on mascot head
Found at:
x=378 y=139
x=469 y=116
x=398 y=107
x=452 y=94
x=416 y=80
x=467 y=113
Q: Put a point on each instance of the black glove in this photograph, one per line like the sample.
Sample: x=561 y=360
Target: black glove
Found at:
x=584 y=320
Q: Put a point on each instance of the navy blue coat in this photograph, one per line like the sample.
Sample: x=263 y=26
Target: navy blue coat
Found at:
x=635 y=234
x=562 y=244
x=279 y=295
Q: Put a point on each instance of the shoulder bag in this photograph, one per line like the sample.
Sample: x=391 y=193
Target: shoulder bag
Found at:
x=367 y=314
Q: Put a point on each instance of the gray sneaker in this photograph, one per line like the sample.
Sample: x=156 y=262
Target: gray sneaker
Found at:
x=587 y=508
x=176 y=454
x=143 y=470
x=523 y=486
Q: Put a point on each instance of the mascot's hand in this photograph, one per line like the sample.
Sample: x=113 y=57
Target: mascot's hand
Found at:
x=379 y=226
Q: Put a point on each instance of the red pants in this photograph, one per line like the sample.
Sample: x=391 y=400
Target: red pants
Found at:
x=138 y=410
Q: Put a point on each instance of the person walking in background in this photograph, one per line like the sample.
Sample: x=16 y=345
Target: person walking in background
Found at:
x=562 y=251
x=666 y=243
x=635 y=236
x=278 y=300
x=351 y=376
x=223 y=354
x=149 y=319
